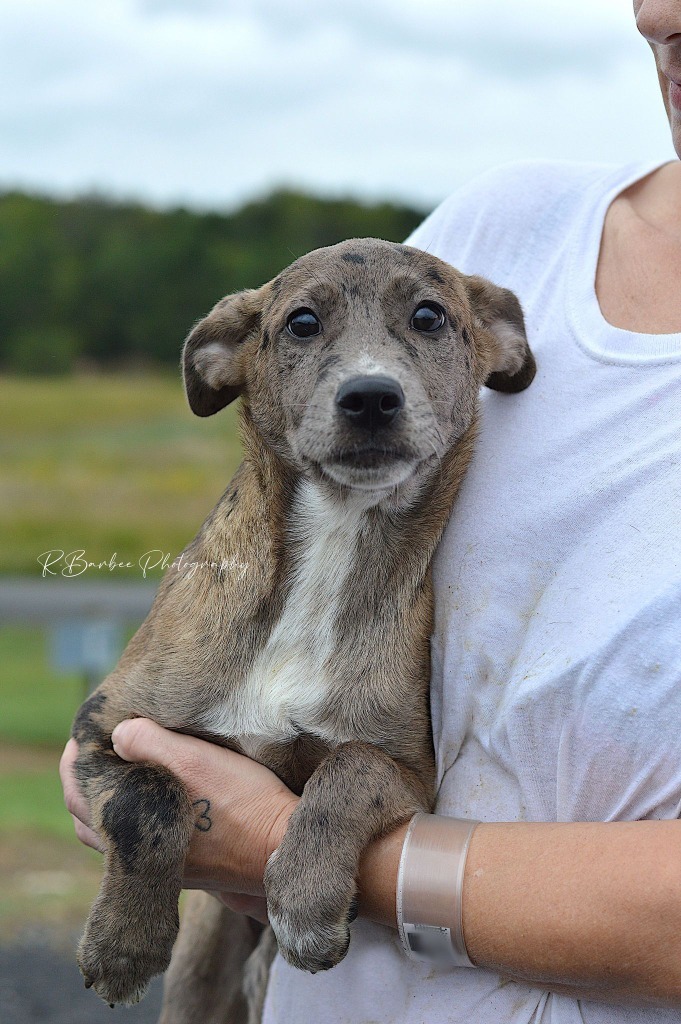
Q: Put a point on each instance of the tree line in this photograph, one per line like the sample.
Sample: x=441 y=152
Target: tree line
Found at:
x=108 y=284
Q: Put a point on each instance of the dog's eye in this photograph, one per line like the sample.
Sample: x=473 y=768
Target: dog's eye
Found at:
x=303 y=323
x=427 y=317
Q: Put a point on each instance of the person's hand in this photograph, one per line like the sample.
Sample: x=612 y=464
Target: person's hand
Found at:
x=76 y=804
x=242 y=807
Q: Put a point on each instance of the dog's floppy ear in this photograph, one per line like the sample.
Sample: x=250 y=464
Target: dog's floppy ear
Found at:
x=213 y=355
x=511 y=365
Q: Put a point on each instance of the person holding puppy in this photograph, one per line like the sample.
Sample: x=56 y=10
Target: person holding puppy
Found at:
x=556 y=685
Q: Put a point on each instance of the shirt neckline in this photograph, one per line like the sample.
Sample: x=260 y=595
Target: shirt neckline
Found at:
x=592 y=331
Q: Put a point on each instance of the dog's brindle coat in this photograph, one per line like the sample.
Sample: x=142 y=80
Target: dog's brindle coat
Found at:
x=315 y=658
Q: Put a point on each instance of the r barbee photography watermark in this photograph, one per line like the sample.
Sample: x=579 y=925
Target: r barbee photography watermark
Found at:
x=75 y=563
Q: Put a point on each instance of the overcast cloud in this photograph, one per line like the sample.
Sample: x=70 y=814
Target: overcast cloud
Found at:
x=208 y=103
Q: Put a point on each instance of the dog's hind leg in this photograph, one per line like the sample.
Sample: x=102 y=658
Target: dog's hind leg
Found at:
x=256 y=974
x=145 y=818
x=206 y=980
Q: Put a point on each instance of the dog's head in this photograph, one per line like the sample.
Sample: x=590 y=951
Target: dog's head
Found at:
x=361 y=362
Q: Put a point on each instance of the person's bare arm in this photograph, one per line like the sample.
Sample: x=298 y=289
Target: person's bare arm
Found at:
x=589 y=909
x=592 y=910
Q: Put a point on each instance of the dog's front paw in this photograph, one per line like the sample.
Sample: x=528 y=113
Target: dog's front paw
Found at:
x=119 y=954
x=310 y=907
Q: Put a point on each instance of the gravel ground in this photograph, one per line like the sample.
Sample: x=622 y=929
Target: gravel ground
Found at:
x=41 y=986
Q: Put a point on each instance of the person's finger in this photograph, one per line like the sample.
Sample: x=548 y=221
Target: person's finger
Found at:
x=193 y=760
x=87 y=836
x=140 y=739
x=76 y=804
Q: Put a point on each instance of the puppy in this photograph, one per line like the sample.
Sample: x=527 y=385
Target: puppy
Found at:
x=358 y=368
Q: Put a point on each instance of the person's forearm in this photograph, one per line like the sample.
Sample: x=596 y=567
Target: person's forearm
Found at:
x=593 y=910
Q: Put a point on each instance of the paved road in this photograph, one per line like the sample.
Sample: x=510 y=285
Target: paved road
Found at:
x=41 y=986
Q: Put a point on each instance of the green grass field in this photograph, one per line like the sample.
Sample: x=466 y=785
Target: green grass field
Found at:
x=37 y=703
x=107 y=464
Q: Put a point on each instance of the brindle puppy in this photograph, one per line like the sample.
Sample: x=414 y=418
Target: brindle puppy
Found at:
x=358 y=368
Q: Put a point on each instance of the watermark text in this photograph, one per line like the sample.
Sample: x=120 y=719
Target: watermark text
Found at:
x=75 y=563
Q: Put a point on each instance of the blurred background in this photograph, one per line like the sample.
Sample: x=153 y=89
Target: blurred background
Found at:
x=154 y=156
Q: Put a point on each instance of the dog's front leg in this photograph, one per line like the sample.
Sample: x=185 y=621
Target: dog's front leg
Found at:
x=357 y=793
x=145 y=818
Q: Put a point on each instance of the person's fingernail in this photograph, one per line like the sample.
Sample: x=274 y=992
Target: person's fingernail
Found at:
x=118 y=734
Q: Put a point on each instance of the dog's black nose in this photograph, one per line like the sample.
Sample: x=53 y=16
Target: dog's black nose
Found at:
x=370 y=402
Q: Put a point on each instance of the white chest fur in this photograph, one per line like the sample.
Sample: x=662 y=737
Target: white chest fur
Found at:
x=289 y=681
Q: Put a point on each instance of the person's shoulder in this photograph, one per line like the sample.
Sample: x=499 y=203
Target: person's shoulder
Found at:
x=522 y=185
x=503 y=201
x=521 y=177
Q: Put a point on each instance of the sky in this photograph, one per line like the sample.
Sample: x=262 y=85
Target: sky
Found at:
x=209 y=103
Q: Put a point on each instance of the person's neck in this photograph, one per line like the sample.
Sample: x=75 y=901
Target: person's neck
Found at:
x=657 y=200
x=637 y=279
